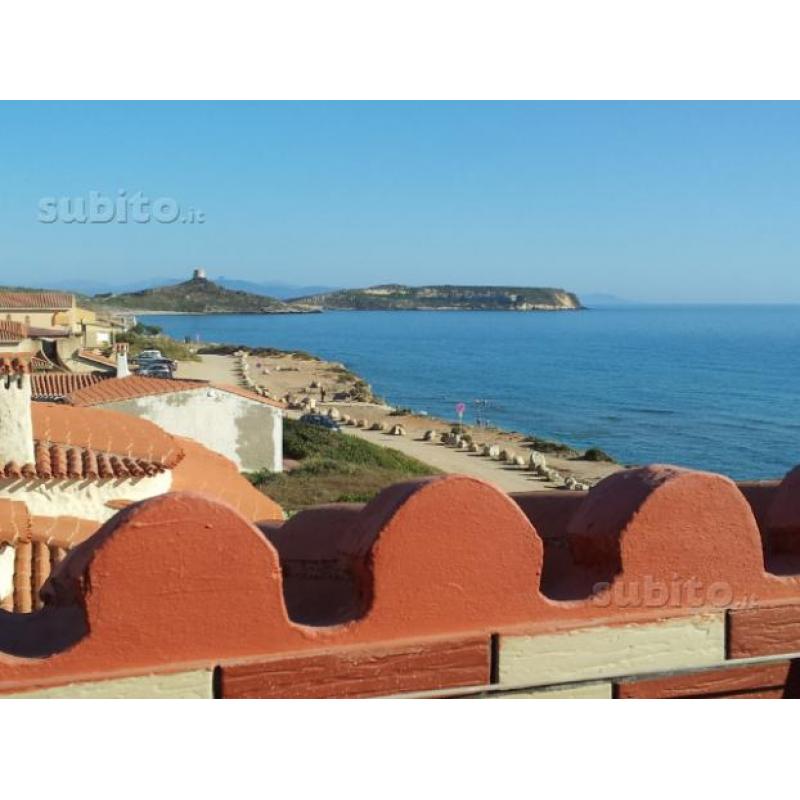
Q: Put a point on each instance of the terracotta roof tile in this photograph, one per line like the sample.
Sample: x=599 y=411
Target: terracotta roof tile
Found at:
x=62 y=531
x=207 y=472
x=42 y=300
x=57 y=385
x=15 y=523
x=246 y=393
x=61 y=461
x=118 y=389
x=106 y=434
x=112 y=391
x=11 y=331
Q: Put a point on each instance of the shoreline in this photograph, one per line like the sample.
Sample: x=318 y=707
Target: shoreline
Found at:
x=323 y=310
x=515 y=461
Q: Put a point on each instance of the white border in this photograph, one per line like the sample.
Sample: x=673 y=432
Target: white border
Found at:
x=418 y=49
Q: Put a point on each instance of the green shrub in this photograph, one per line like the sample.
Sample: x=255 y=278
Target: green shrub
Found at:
x=596 y=454
x=169 y=347
x=545 y=446
x=355 y=497
x=301 y=441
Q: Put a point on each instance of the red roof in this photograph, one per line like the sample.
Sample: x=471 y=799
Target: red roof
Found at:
x=46 y=301
x=78 y=443
x=57 y=385
x=12 y=331
x=118 y=389
x=60 y=461
x=105 y=431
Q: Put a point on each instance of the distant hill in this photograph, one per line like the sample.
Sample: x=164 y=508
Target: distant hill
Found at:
x=278 y=290
x=198 y=295
x=483 y=298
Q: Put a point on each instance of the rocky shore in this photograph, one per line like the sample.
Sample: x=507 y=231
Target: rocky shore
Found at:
x=513 y=460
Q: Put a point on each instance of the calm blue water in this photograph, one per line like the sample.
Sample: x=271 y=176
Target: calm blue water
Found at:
x=714 y=388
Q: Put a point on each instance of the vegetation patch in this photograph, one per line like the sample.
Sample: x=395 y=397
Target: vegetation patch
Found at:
x=334 y=468
x=596 y=454
x=149 y=337
x=546 y=446
x=262 y=352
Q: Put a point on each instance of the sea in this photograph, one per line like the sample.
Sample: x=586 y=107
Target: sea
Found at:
x=709 y=387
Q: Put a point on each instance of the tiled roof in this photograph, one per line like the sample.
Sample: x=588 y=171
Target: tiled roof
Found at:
x=247 y=394
x=77 y=443
x=103 y=431
x=118 y=389
x=40 y=300
x=12 y=331
x=57 y=385
x=60 y=461
x=112 y=391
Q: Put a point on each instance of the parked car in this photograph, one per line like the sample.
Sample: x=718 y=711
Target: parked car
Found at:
x=321 y=421
x=150 y=355
x=156 y=371
x=160 y=362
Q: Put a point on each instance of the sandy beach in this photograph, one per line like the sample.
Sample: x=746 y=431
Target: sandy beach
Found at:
x=296 y=378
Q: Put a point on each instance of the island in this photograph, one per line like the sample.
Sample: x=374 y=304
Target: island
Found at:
x=398 y=297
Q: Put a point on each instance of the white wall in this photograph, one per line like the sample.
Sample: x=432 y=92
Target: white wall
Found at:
x=16 y=426
x=6 y=570
x=247 y=432
x=83 y=498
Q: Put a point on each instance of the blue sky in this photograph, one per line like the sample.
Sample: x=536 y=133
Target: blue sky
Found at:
x=650 y=201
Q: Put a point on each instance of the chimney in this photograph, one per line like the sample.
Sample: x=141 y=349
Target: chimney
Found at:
x=121 y=350
x=16 y=423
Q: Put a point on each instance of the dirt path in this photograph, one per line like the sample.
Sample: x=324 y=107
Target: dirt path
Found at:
x=219 y=369
x=448 y=459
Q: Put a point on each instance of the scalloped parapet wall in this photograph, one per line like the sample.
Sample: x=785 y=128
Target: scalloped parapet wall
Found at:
x=655 y=584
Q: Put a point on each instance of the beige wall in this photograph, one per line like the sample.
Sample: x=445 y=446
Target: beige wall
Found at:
x=39 y=319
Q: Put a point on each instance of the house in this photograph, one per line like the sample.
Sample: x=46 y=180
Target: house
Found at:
x=236 y=423
x=57 y=315
x=66 y=470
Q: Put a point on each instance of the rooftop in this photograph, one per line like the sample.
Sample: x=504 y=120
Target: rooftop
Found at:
x=43 y=301
x=11 y=332
x=55 y=386
x=105 y=431
x=119 y=389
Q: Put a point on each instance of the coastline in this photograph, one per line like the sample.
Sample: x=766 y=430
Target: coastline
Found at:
x=299 y=379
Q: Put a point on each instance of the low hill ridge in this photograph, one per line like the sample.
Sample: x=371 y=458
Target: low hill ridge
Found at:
x=396 y=296
x=198 y=295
